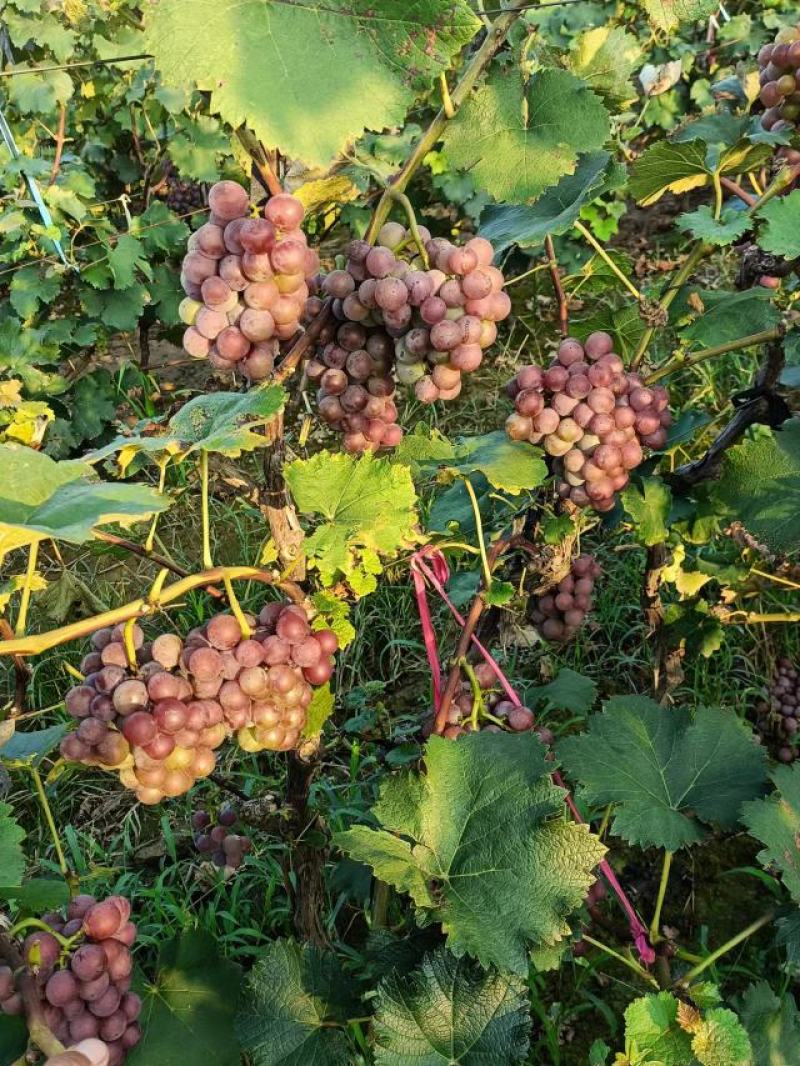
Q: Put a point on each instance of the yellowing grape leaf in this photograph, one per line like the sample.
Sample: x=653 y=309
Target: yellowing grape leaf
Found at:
x=668 y=14
x=670 y=166
x=605 y=57
x=43 y=499
x=516 y=140
x=308 y=78
x=481 y=844
x=652 y=1034
x=365 y=511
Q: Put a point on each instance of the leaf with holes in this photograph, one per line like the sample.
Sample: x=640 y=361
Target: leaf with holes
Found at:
x=505 y=822
x=338 y=67
x=41 y=498
x=291 y=997
x=188 y=1010
x=516 y=140
x=450 y=1012
x=364 y=510
x=671 y=773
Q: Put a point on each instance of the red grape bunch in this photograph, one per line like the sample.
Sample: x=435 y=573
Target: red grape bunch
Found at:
x=494 y=713
x=425 y=325
x=246 y=281
x=160 y=721
x=85 y=987
x=778 y=717
x=217 y=839
x=591 y=415
x=779 y=64
x=561 y=612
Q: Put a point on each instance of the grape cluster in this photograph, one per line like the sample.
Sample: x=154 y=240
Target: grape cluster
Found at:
x=561 y=612
x=591 y=415
x=183 y=197
x=424 y=324
x=778 y=717
x=780 y=81
x=245 y=280
x=218 y=840
x=84 y=1053
x=160 y=720
x=85 y=987
x=495 y=713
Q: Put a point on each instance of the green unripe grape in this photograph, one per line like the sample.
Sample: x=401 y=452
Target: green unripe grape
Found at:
x=187 y=310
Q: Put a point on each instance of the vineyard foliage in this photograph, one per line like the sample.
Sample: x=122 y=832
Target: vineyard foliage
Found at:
x=399 y=482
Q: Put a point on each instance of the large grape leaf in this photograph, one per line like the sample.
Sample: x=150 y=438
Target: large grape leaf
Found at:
x=781 y=232
x=188 y=1012
x=556 y=210
x=775 y=821
x=508 y=465
x=727 y=316
x=760 y=486
x=292 y=996
x=480 y=843
x=669 y=772
x=226 y=422
x=773 y=1025
x=367 y=510
x=670 y=166
x=450 y=1012
x=44 y=499
x=517 y=140
x=308 y=78
x=12 y=857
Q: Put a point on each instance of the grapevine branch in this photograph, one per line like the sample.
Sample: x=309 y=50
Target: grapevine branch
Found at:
x=35 y=644
x=22 y=674
x=681 y=361
x=561 y=296
x=302 y=344
x=60 y=139
x=495 y=36
x=154 y=557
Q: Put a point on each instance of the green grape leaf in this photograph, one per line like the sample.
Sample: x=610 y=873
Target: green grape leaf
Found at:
x=34 y=746
x=198 y=144
x=158 y=229
x=423 y=445
x=730 y=315
x=788 y=936
x=93 y=408
x=516 y=141
x=292 y=995
x=568 y=691
x=672 y=166
x=165 y=294
x=366 y=509
x=118 y=308
x=669 y=14
x=556 y=210
x=722 y=1040
x=453 y=507
x=334 y=613
x=315 y=58
x=188 y=1010
x=701 y=223
x=775 y=821
x=760 y=487
x=508 y=465
x=225 y=422
x=450 y=1012
x=604 y=58
x=773 y=1025
x=12 y=857
x=505 y=821
x=38 y=895
x=38 y=94
x=780 y=233
x=649 y=509
x=670 y=772
x=13 y=1039
x=126 y=256
x=31 y=286
x=598 y=1053
x=652 y=1032
x=319 y=710
x=41 y=498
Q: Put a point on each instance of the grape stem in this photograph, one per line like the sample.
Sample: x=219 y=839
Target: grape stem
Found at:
x=302 y=344
x=146 y=553
x=655 y=925
x=408 y=207
x=737 y=190
x=630 y=963
x=561 y=296
x=723 y=949
x=162 y=477
x=34 y=923
x=495 y=36
x=487 y=573
x=63 y=866
x=26 y=984
x=261 y=163
x=35 y=644
x=22 y=675
x=590 y=238
x=681 y=361
x=27 y=588
x=235 y=606
x=203 y=466
x=478 y=709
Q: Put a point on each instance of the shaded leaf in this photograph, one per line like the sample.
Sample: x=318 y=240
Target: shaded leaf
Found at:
x=38 y=895
x=568 y=691
x=33 y=746
x=730 y=315
x=773 y=1025
x=775 y=821
x=509 y=465
x=720 y=232
x=12 y=857
x=672 y=166
x=781 y=232
x=649 y=508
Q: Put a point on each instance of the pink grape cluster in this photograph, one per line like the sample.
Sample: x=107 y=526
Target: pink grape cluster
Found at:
x=246 y=281
x=160 y=719
x=591 y=415
x=426 y=324
x=561 y=612
x=218 y=841
x=779 y=77
x=84 y=988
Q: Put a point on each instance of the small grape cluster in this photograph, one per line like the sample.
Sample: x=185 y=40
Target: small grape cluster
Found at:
x=426 y=323
x=83 y=976
x=183 y=197
x=778 y=717
x=160 y=719
x=245 y=279
x=779 y=64
x=561 y=612
x=493 y=713
x=591 y=415
x=217 y=840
